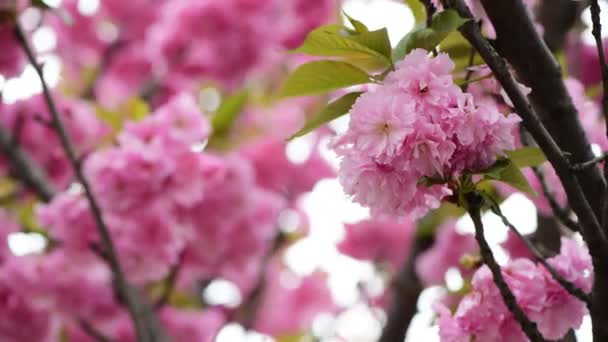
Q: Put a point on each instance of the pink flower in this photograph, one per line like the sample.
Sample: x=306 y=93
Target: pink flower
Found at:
x=231 y=227
x=31 y=116
x=301 y=16
x=8 y=225
x=275 y=172
x=516 y=247
x=290 y=304
x=378 y=240
x=220 y=41
x=84 y=288
x=445 y=253
x=12 y=60
x=190 y=325
x=20 y=321
x=126 y=74
x=417 y=125
x=483 y=315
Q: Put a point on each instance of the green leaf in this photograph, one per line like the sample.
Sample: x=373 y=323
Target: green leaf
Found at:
x=40 y=4
x=418 y=10
x=527 y=156
x=137 y=109
x=442 y=24
x=376 y=40
x=510 y=174
x=338 y=41
x=228 y=111
x=332 y=111
x=323 y=76
x=359 y=26
x=447 y=21
x=423 y=38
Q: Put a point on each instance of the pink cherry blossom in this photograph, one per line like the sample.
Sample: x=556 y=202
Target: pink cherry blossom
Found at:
x=290 y=304
x=221 y=41
x=483 y=315
x=445 y=253
x=20 y=321
x=29 y=119
x=12 y=60
x=274 y=171
x=378 y=240
x=417 y=124
x=83 y=290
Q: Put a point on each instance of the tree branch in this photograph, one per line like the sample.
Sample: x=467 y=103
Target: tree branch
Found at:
x=560 y=213
x=589 y=163
x=146 y=326
x=92 y=332
x=170 y=282
x=557 y=18
x=474 y=202
x=406 y=290
x=24 y=167
x=567 y=285
x=519 y=42
x=590 y=227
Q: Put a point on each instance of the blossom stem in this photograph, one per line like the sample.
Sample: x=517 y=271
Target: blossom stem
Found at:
x=590 y=163
x=93 y=332
x=170 y=282
x=406 y=290
x=567 y=285
x=590 y=226
x=474 y=202
x=141 y=314
x=560 y=213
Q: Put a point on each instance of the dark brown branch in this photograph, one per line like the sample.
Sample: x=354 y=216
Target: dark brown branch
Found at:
x=597 y=35
x=567 y=285
x=518 y=41
x=93 y=332
x=560 y=213
x=474 y=202
x=170 y=282
x=590 y=227
x=146 y=326
x=557 y=17
x=589 y=163
x=406 y=290
x=24 y=168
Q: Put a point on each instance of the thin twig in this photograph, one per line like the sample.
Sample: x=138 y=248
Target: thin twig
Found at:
x=567 y=285
x=170 y=282
x=474 y=202
x=469 y=73
x=590 y=225
x=597 y=34
x=590 y=163
x=93 y=332
x=560 y=213
x=140 y=312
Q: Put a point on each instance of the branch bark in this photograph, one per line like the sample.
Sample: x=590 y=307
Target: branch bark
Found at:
x=530 y=57
x=406 y=290
x=474 y=202
x=145 y=322
x=567 y=285
x=557 y=18
x=24 y=167
x=518 y=41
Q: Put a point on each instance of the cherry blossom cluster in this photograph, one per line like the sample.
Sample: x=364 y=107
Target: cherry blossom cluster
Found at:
x=482 y=314
x=29 y=122
x=139 y=47
x=417 y=125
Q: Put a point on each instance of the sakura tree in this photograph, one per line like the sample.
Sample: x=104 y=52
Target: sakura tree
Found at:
x=153 y=165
